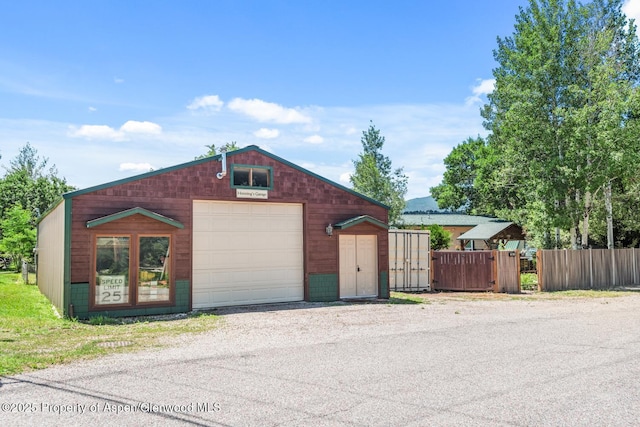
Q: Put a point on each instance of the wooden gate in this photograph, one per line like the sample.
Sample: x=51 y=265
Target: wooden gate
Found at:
x=463 y=270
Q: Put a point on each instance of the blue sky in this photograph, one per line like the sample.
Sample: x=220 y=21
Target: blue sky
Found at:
x=110 y=89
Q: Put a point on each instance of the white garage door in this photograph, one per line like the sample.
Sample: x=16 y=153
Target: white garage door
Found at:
x=246 y=253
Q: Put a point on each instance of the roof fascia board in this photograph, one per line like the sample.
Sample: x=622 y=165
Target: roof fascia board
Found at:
x=343 y=225
x=134 y=211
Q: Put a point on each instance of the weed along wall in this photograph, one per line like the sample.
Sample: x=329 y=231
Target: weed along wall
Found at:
x=194 y=237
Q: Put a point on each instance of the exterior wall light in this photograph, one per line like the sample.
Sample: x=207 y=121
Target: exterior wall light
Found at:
x=329 y=230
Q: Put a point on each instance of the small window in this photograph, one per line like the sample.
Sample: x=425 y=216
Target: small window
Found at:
x=112 y=270
x=251 y=176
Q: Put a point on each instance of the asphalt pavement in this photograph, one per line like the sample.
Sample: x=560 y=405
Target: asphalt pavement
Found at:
x=573 y=362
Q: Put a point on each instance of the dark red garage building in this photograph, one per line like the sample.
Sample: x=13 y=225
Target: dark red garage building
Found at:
x=243 y=228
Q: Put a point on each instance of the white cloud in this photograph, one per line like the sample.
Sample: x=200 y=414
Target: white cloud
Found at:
x=264 y=133
x=109 y=133
x=136 y=167
x=345 y=178
x=96 y=132
x=264 y=111
x=207 y=102
x=418 y=137
x=133 y=126
x=314 y=139
x=118 y=80
x=484 y=87
x=631 y=8
x=92 y=109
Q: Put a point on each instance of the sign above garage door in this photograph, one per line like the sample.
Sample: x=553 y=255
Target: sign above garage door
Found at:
x=242 y=193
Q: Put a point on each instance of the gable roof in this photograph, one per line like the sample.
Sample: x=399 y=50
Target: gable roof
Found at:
x=489 y=230
x=218 y=157
x=134 y=211
x=358 y=220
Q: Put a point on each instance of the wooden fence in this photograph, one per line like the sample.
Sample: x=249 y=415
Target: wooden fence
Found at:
x=497 y=271
x=565 y=269
x=507 y=272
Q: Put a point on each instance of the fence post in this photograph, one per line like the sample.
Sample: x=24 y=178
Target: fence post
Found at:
x=613 y=266
x=566 y=270
x=590 y=269
x=635 y=271
x=25 y=272
x=539 y=267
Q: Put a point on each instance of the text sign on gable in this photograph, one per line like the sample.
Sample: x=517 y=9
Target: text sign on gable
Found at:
x=242 y=193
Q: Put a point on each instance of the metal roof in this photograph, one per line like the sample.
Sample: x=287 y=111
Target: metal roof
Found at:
x=513 y=245
x=485 y=231
x=446 y=219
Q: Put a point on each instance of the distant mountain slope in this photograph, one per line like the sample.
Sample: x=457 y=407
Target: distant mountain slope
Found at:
x=422 y=204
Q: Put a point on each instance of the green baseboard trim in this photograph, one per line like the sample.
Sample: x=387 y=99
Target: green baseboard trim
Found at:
x=79 y=298
x=384 y=285
x=323 y=287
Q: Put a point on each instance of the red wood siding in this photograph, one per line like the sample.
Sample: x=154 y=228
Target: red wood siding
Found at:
x=172 y=193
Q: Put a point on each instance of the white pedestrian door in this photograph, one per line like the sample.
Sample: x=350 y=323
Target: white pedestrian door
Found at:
x=358 y=266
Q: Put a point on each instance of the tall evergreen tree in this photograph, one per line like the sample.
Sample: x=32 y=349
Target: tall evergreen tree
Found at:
x=374 y=176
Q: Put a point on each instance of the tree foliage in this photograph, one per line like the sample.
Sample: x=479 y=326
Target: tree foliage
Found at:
x=459 y=187
x=562 y=121
x=213 y=150
x=28 y=188
x=374 y=177
x=439 y=237
x=18 y=234
x=29 y=183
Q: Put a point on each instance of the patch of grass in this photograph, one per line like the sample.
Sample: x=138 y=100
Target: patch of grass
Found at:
x=529 y=281
x=587 y=294
x=32 y=336
x=403 y=298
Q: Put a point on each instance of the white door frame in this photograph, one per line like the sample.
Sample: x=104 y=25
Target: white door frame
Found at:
x=358 y=259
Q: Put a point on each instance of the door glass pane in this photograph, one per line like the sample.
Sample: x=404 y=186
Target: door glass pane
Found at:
x=153 y=272
x=112 y=270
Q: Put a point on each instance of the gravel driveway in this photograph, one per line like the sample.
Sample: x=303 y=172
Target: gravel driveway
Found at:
x=451 y=362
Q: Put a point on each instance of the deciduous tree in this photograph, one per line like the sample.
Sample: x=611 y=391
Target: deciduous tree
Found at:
x=18 y=235
x=562 y=121
x=213 y=150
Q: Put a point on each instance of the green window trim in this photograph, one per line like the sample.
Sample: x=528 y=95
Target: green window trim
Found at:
x=242 y=176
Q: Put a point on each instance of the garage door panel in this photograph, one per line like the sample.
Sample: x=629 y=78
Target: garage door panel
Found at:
x=248 y=253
